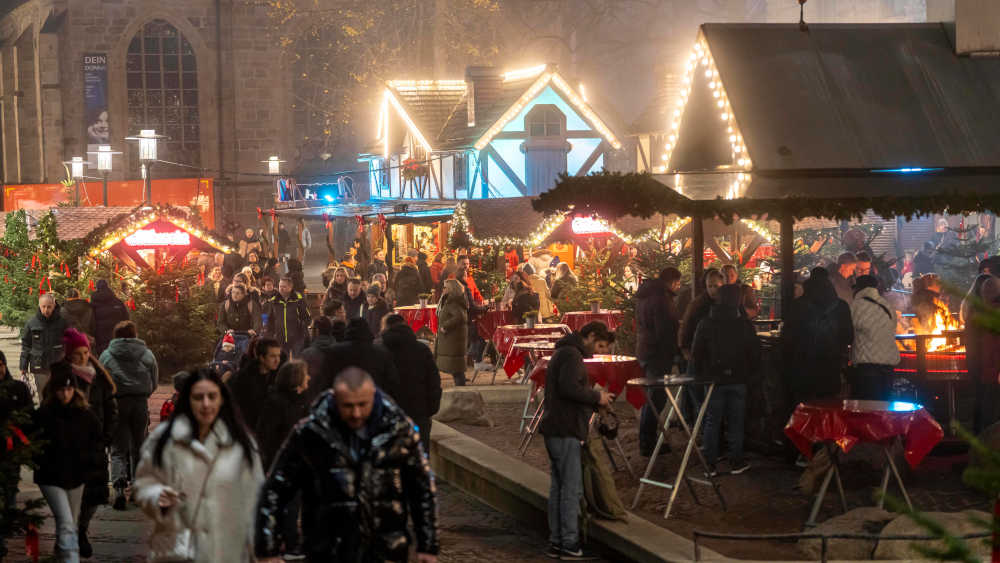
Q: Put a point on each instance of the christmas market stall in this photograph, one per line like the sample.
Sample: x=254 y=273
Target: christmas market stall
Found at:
x=762 y=129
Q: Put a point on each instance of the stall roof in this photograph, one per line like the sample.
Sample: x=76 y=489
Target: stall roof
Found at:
x=72 y=223
x=858 y=96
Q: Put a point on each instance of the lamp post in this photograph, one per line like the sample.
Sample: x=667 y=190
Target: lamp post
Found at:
x=147 y=156
x=104 y=154
x=273 y=165
x=76 y=166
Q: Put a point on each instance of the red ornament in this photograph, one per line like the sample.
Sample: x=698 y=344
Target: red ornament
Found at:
x=90 y=285
x=260 y=213
x=382 y=221
x=31 y=543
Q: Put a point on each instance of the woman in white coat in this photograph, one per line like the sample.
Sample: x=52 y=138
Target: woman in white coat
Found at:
x=200 y=472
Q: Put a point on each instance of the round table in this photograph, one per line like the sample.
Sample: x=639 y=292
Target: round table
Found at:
x=522 y=348
x=841 y=424
x=576 y=319
x=419 y=317
x=488 y=321
x=503 y=336
x=609 y=371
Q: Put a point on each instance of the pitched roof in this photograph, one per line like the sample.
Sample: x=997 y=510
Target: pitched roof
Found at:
x=857 y=96
x=72 y=223
x=429 y=105
x=455 y=132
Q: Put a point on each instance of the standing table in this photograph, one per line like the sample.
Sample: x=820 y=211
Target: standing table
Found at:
x=505 y=335
x=419 y=317
x=842 y=424
x=576 y=319
x=674 y=386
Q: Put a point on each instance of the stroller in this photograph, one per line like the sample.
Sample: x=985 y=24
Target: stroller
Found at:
x=228 y=353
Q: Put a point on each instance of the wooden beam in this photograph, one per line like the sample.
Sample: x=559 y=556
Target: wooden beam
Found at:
x=697 y=255
x=645 y=159
x=787 y=264
x=484 y=169
x=587 y=164
x=511 y=175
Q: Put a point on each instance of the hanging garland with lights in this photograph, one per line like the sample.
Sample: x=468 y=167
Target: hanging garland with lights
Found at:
x=612 y=195
x=111 y=233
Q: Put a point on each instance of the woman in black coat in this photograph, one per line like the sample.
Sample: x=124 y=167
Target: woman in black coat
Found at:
x=70 y=456
x=419 y=394
x=96 y=384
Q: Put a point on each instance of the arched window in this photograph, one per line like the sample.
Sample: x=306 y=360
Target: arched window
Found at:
x=162 y=83
x=545 y=120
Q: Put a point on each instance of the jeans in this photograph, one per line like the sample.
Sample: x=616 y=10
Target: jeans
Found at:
x=565 y=490
x=65 y=504
x=728 y=401
x=871 y=382
x=648 y=419
x=133 y=419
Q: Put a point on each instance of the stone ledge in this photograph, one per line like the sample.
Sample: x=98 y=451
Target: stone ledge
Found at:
x=514 y=487
x=494 y=393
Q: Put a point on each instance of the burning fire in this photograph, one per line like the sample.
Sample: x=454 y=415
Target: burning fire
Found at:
x=939 y=323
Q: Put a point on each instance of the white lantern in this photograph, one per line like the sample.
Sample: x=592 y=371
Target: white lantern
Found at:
x=273 y=165
x=76 y=165
x=104 y=157
x=147 y=144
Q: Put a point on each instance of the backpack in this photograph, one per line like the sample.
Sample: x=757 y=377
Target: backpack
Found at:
x=821 y=332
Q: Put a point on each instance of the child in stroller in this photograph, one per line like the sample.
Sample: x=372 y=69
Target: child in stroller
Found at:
x=228 y=352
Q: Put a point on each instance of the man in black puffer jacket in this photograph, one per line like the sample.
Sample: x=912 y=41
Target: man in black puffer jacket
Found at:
x=359 y=350
x=362 y=473
x=41 y=341
x=419 y=394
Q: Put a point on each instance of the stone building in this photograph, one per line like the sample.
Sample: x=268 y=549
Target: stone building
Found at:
x=78 y=73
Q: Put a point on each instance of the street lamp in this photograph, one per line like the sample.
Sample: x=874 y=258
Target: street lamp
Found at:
x=76 y=166
x=147 y=156
x=273 y=165
x=104 y=154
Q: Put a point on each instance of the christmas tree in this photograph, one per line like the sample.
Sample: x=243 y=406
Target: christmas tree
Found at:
x=17 y=449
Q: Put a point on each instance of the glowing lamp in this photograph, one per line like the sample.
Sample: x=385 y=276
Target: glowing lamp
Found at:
x=145 y=238
x=76 y=165
x=589 y=226
x=273 y=165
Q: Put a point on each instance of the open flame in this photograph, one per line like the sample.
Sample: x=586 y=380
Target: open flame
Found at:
x=939 y=323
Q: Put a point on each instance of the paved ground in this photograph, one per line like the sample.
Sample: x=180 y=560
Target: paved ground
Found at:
x=471 y=532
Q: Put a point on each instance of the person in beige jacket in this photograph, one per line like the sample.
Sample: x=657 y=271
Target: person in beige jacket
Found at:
x=201 y=470
x=546 y=308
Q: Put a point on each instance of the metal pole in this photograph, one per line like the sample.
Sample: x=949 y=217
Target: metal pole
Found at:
x=787 y=264
x=148 y=183
x=697 y=256
x=76 y=184
x=105 y=189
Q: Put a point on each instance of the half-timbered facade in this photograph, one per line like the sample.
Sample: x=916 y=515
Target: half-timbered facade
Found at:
x=491 y=135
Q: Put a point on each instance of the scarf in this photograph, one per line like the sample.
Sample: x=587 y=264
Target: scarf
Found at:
x=85 y=373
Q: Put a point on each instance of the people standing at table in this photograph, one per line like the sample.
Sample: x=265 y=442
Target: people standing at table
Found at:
x=407 y=284
x=656 y=345
x=570 y=400
x=426 y=280
x=71 y=440
x=564 y=281
x=725 y=351
x=546 y=309
x=525 y=301
x=363 y=476
x=41 y=341
x=453 y=331
x=699 y=309
x=815 y=338
x=874 y=353
x=419 y=394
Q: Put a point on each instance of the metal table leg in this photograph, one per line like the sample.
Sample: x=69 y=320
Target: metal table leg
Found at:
x=692 y=439
x=899 y=480
x=527 y=401
x=532 y=427
x=832 y=473
x=661 y=437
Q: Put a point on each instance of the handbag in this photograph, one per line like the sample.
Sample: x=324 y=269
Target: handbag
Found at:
x=172 y=541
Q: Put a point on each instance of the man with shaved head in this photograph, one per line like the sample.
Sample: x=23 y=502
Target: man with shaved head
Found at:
x=41 y=341
x=358 y=462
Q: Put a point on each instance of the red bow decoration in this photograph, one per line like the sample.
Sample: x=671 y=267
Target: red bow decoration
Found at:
x=361 y=222
x=382 y=221
x=19 y=435
x=260 y=213
x=31 y=543
x=130 y=303
x=90 y=285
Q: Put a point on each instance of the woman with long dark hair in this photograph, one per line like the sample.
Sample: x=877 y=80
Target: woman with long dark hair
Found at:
x=200 y=471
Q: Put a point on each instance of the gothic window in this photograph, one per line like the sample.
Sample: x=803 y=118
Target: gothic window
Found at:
x=162 y=82
x=545 y=120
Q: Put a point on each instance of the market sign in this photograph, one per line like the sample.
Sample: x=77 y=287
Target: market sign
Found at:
x=590 y=226
x=148 y=238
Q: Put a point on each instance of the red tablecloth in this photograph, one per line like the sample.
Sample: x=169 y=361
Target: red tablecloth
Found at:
x=576 y=319
x=504 y=336
x=488 y=321
x=518 y=353
x=848 y=422
x=610 y=372
x=418 y=317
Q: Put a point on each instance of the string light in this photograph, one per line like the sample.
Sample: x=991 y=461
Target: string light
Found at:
x=701 y=58
x=409 y=122
x=114 y=237
x=761 y=230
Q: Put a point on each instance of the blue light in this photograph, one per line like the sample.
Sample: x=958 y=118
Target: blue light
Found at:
x=902 y=406
x=328 y=197
x=906 y=170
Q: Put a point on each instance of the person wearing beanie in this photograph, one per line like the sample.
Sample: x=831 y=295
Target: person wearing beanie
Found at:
x=407 y=284
x=874 y=352
x=108 y=312
x=41 y=341
x=99 y=388
x=358 y=349
x=374 y=308
x=70 y=435
x=725 y=350
x=134 y=370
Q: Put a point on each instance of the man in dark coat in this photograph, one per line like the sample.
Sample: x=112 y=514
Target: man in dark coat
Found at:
x=354 y=299
x=425 y=272
x=360 y=350
x=287 y=318
x=108 y=312
x=656 y=344
x=815 y=339
x=419 y=394
x=570 y=400
x=284 y=240
x=314 y=355
x=362 y=474
x=249 y=385
x=726 y=350
x=698 y=309
x=407 y=284
x=41 y=341
x=374 y=308
x=79 y=313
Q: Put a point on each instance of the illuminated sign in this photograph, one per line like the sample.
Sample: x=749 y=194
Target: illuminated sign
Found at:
x=149 y=237
x=590 y=226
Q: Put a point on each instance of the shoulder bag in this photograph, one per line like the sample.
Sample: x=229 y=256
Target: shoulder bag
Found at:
x=172 y=541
